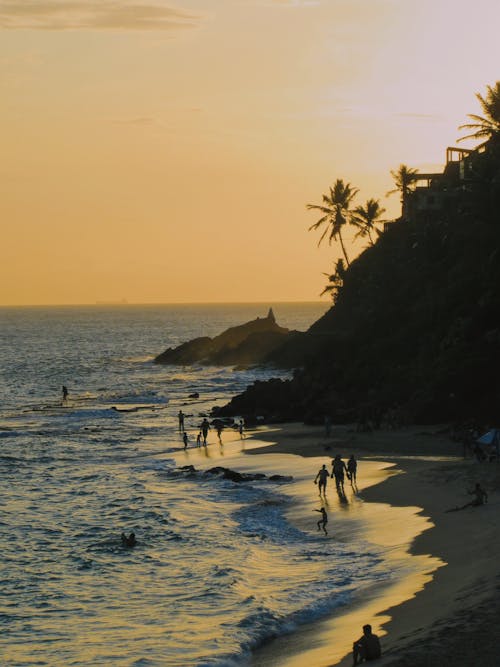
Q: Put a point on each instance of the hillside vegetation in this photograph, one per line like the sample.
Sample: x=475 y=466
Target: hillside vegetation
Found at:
x=414 y=333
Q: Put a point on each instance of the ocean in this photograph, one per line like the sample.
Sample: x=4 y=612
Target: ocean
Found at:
x=218 y=568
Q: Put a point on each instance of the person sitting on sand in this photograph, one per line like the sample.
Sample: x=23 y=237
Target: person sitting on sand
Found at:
x=481 y=498
x=367 y=647
x=323 y=521
x=323 y=478
x=129 y=541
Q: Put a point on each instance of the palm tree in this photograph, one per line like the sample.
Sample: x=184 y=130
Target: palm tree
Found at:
x=365 y=218
x=336 y=212
x=404 y=179
x=487 y=126
x=335 y=281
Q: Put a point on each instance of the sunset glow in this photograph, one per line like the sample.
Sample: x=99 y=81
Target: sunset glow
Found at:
x=159 y=152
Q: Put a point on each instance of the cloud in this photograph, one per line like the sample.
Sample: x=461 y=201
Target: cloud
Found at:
x=295 y=3
x=420 y=117
x=92 y=15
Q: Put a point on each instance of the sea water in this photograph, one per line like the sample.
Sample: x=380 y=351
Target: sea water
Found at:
x=217 y=569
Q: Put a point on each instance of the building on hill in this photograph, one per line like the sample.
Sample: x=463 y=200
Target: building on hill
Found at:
x=443 y=192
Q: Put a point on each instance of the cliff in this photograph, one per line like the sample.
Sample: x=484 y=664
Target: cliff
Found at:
x=415 y=332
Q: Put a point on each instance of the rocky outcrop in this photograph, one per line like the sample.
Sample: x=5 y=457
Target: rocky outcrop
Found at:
x=244 y=345
x=231 y=475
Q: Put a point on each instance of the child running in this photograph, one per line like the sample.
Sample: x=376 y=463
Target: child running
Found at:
x=323 y=521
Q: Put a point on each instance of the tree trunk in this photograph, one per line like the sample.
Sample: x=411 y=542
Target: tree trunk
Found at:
x=343 y=248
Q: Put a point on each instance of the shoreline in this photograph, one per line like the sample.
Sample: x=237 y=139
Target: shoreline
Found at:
x=459 y=574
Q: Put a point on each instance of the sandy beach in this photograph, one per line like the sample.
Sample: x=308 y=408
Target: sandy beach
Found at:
x=445 y=610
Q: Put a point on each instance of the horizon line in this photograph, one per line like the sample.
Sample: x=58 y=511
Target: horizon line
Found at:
x=156 y=303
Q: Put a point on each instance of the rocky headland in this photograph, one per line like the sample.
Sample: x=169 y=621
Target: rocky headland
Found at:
x=244 y=345
x=414 y=333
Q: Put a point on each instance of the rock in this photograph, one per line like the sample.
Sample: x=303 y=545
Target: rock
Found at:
x=244 y=345
x=233 y=475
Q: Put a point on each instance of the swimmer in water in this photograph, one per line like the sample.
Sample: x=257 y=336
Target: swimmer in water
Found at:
x=129 y=541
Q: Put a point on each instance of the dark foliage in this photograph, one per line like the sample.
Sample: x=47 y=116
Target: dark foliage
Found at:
x=416 y=325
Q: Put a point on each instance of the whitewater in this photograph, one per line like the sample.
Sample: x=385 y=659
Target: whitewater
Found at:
x=218 y=568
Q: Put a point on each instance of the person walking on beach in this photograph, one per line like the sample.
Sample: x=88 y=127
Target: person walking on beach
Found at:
x=241 y=428
x=64 y=393
x=338 y=468
x=204 y=429
x=198 y=439
x=367 y=647
x=219 y=432
x=323 y=521
x=181 y=420
x=352 y=467
x=323 y=478
x=185 y=439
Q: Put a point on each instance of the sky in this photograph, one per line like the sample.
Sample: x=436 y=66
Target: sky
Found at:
x=165 y=152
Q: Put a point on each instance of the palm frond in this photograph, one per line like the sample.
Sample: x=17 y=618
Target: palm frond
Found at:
x=318 y=223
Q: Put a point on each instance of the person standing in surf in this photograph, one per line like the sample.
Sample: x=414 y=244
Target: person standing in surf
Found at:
x=181 y=420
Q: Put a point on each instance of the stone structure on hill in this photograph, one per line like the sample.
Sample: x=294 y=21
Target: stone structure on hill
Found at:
x=244 y=345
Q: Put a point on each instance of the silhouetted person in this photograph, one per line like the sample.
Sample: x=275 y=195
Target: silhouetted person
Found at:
x=64 y=393
x=338 y=468
x=181 y=420
x=352 y=467
x=480 y=498
x=185 y=439
x=241 y=428
x=204 y=429
x=323 y=478
x=323 y=521
x=219 y=432
x=198 y=439
x=367 y=647
x=129 y=541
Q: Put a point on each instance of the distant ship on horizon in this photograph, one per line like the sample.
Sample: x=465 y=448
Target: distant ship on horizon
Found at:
x=118 y=302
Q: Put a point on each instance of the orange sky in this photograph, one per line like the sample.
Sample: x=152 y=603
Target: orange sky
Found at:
x=161 y=152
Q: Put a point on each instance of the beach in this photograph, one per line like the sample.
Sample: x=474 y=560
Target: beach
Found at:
x=445 y=612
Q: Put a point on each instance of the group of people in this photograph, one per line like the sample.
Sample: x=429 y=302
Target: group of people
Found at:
x=367 y=647
x=338 y=469
x=202 y=433
x=201 y=438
